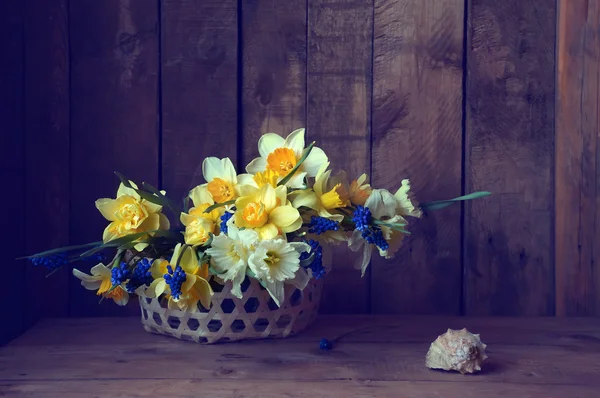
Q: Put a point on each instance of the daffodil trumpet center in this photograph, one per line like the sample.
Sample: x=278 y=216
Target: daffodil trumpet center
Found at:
x=255 y=214
x=221 y=190
x=281 y=161
x=332 y=199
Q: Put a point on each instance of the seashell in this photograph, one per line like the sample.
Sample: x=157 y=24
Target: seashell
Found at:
x=458 y=350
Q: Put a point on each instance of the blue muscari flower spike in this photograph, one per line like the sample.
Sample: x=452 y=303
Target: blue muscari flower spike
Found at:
x=362 y=218
x=141 y=276
x=316 y=266
x=51 y=262
x=120 y=274
x=224 y=218
x=175 y=280
x=319 y=225
x=371 y=233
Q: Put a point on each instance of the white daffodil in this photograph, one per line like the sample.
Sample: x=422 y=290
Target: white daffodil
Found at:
x=407 y=204
x=221 y=178
x=383 y=206
x=281 y=155
x=229 y=255
x=100 y=280
x=276 y=261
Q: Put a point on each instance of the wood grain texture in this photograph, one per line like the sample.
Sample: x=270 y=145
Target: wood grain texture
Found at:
x=47 y=151
x=340 y=40
x=199 y=88
x=547 y=357
x=186 y=388
x=509 y=151
x=12 y=164
x=417 y=116
x=114 y=117
x=274 y=71
x=577 y=188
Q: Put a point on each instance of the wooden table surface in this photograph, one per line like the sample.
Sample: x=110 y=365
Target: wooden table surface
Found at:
x=375 y=356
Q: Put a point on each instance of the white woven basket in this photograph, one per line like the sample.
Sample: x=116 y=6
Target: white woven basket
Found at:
x=255 y=316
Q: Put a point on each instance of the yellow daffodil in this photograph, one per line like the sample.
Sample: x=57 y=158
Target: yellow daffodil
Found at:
x=267 y=211
x=407 y=204
x=221 y=179
x=184 y=285
x=130 y=214
x=100 y=280
x=281 y=155
x=198 y=224
x=324 y=196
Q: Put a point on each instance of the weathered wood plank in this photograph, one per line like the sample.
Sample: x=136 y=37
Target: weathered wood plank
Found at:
x=91 y=354
x=47 y=150
x=509 y=151
x=346 y=328
x=340 y=40
x=12 y=164
x=461 y=387
x=199 y=88
x=274 y=70
x=114 y=117
x=577 y=187
x=417 y=134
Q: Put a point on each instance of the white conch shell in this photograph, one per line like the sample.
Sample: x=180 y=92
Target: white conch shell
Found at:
x=457 y=350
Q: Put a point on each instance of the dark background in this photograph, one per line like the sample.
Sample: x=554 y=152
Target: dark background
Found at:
x=457 y=96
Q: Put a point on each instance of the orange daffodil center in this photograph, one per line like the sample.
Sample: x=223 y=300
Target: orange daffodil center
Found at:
x=221 y=190
x=281 y=161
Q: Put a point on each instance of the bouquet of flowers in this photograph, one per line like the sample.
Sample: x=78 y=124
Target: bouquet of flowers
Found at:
x=272 y=223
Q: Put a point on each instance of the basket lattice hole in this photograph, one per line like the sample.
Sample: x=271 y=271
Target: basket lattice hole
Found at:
x=174 y=322
x=245 y=285
x=272 y=304
x=260 y=325
x=202 y=340
x=145 y=313
x=193 y=324
x=251 y=305
x=148 y=300
x=296 y=298
x=284 y=321
x=217 y=287
x=227 y=306
x=214 y=325
x=157 y=318
x=238 y=326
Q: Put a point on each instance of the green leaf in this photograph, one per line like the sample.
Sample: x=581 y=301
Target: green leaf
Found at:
x=174 y=207
x=124 y=180
x=288 y=177
x=440 y=204
x=307 y=261
x=61 y=250
x=217 y=205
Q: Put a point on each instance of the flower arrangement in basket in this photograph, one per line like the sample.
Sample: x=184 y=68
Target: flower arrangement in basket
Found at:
x=247 y=252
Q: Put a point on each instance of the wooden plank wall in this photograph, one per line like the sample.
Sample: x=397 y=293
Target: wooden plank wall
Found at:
x=456 y=95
